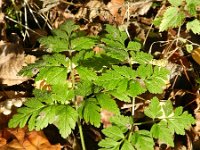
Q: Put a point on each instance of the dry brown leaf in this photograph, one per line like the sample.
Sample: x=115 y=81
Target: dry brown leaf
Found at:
x=14 y=144
x=22 y=139
x=11 y=62
x=105 y=117
x=29 y=146
x=41 y=141
x=117 y=9
x=18 y=133
x=2 y=141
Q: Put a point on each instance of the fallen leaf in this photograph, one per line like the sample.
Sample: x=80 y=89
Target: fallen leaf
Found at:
x=11 y=62
x=105 y=117
x=22 y=139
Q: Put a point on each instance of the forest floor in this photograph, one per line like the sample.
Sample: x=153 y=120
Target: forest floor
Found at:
x=22 y=23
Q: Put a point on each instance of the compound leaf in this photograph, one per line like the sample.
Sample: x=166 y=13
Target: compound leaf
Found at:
x=127 y=145
x=135 y=46
x=175 y=2
x=135 y=89
x=125 y=71
x=86 y=74
x=140 y=137
x=84 y=88
x=113 y=132
x=180 y=121
x=109 y=80
x=90 y=112
x=54 y=44
x=173 y=17
x=141 y=57
x=157 y=82
x=24 y=113
x=162 y=132
x=144 y=71
x=45 y=117
x=194 y=26
x=154 y=110
x=106 y=102
x=66 y=118
x=53 y=75
x=82 y=43
x=123 y=122
x=109 y=144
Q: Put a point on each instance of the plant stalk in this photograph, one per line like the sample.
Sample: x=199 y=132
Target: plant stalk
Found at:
x=81 y=135
x=76 y=105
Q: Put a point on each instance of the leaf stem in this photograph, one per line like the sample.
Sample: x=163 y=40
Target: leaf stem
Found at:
x=81 y=135
x=76 y=105
x=145 y=122
x=133 y=106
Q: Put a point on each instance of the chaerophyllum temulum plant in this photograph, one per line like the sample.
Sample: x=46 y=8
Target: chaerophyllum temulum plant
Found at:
x=82 y=82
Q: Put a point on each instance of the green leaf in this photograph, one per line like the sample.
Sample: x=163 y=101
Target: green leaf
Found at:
x=60 y=34
x=175 y=2
x=45 y=117
x=113 y=79
x=81 y=43
x=112 y=43
x=18 y=119
x=32 y=69
x=157 y=21
x=115 y=43
x=98 y=62
x=113 y=132
x=191 y=6
x=127 y=146
x=117 y=53
x=125 y=71
x=122 y=86
x=163 y=133
x=194 y=26
x=53 y=75
x=144 y=71
x=180 y=121
x=55 y=60
x=122 y=96
x=143 y=140
x=135 y=89
x=123 y=122
x=115 y=34
x=135 y=46
x=141 y=57
x=86 y=74
x=157 y=82
x=154 y=110
x=172 y=18
x=84 y=88
x=54 y=44
x=60 y=40
x=69 y=26
x=106 y=102
x=167 y=109
x=109 y=144
x=109 y=80
x=24 y=113
x=66 y=118
x=62 y=93
x=90 y=112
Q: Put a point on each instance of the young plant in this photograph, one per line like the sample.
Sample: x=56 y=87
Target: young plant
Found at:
x=176 y=14
x=81 y=82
